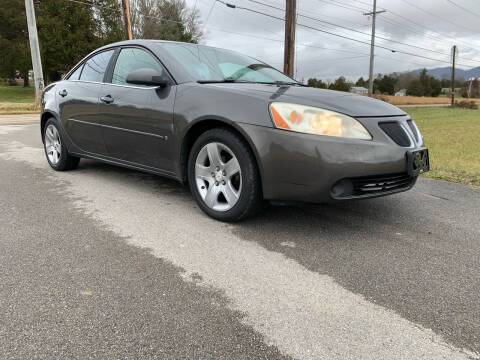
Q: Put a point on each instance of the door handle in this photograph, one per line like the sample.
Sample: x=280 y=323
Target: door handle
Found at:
x=107 y=99
x=63 y=93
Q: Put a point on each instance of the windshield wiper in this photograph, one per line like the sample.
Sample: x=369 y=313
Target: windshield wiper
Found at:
x=288 y=83
x=228 y=80
x=221 y=81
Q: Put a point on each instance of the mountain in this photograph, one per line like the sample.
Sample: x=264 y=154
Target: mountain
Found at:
x=445 y=73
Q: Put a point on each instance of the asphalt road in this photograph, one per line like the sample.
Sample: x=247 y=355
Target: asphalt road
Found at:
x=108 y=263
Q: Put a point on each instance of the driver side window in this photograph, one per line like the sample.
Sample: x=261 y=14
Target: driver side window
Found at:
x=131 y=59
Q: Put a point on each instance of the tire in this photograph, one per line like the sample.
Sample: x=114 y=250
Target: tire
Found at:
x=205 y=178
x=56 y=151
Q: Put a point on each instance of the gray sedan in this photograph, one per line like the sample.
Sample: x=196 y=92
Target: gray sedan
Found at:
x=233 y=128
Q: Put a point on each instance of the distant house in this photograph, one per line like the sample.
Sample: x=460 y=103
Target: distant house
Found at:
x=472 y=87
x=360 y=90
x=402 y=92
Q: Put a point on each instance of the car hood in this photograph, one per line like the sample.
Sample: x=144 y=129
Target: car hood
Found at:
x=339 y=101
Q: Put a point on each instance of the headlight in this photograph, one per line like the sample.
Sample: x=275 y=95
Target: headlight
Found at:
x=312 y=120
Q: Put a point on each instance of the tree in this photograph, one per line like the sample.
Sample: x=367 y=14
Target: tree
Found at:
x=362 y=82
x=340 y=84
x=425 y=85
x=385 y=84
x=67 y=31
x=165 y=20
x=415 y=88
x=317 y=83
x=14 y=47
x=404 y=80
x=109 y=16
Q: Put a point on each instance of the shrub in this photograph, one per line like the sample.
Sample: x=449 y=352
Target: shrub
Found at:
x=466 y=104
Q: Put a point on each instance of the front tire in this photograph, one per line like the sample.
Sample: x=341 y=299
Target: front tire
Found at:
x=223 y=176
x=56 y=150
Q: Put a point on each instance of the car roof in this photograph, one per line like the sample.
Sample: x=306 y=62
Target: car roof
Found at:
x=147 y=42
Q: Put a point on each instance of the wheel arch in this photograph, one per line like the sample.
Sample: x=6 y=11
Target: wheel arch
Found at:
x=198 y=128
x=43 y=121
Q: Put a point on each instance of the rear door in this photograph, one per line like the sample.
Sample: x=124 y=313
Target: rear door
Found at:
x=137 y=120
x=78 y=98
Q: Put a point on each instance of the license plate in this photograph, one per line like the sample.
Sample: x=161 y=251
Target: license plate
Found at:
x=418 y=162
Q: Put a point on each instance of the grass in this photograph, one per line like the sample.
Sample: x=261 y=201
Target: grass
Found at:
x=17 y=100
x=17 y=94
x=453 y=139
x=418 y=100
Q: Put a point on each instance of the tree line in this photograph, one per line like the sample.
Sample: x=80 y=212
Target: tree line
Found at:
x=416 y=84
x=68 y=30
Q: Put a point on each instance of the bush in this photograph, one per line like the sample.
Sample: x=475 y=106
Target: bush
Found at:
x=466 y=104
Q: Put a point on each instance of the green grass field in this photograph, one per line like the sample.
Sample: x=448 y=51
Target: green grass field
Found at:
x=17 y=100
x=453 y=139
x=17 y=94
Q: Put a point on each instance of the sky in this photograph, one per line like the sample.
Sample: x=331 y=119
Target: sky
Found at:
x=431 y=27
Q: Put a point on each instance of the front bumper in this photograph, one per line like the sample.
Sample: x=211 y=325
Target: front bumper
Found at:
x=311 y=168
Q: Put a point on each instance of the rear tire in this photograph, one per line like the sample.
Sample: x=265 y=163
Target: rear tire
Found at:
x=223 y=176
x=56 y=150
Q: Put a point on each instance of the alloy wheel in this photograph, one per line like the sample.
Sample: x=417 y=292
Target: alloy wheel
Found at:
x=218 y=176
x=53 y=144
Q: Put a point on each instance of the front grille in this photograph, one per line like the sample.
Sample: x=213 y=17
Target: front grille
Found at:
x=380 y=184
x=369 y=186
x=396 y=132
x=414 y=130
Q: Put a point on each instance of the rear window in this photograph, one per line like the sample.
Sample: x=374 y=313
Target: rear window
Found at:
x=95 y=67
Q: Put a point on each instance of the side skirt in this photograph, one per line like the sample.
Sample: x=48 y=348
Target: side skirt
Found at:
x=129 y=165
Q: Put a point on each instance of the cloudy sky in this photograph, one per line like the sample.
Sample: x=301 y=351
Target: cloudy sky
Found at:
x=432 y=26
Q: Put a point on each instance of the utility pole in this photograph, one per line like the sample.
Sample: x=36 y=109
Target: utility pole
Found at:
x=34 y=50
x=372 y=46
x=454 y=53
x=289 y=47
x=126 y=19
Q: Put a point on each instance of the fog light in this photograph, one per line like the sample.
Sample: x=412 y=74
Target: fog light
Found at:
x=341 y=188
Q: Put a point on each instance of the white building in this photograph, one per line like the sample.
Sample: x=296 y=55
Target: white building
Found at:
x=402 y=92
x=360 y=90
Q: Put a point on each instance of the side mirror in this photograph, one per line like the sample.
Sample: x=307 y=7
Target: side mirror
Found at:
x=147 y=76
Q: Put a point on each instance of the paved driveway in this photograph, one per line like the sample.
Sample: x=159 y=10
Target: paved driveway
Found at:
x=103 y=262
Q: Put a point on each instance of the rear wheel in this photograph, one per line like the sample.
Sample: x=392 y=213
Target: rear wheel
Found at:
x=56 y=150
x=223 y=176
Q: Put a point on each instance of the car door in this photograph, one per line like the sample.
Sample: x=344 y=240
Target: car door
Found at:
x=137 y=120
x=78 y=102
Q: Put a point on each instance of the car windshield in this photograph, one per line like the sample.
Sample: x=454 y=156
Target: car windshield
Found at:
x=207 y=64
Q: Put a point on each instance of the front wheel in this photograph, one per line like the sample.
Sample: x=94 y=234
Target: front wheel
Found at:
x=223 y=176
x=56 y=150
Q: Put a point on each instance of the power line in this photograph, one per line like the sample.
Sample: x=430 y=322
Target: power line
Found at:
x=463 y=8
x=209 y=13
x=301 y=44
x=334 y=3
x=334 y=34
x=313 y=46
x=441 y=37
x=376 y=36
x=282 y=9
x=360 y=32
x=413 y=31
x=436 y=16
x=352 y=6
